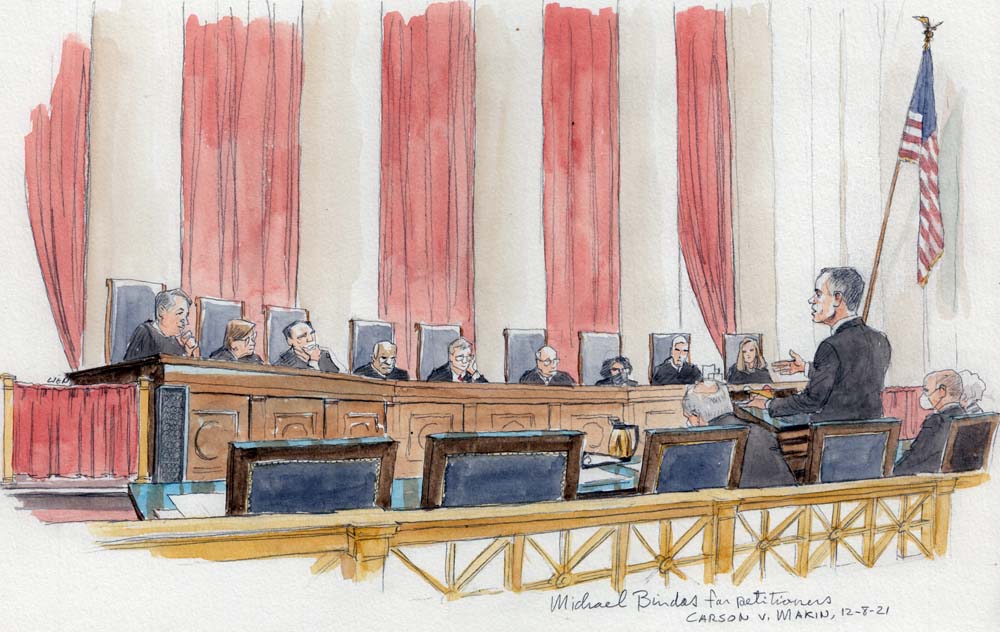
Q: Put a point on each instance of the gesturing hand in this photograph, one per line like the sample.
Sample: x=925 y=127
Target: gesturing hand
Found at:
x=788 y=367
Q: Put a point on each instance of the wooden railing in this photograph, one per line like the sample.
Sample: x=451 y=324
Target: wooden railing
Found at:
x=712 y=533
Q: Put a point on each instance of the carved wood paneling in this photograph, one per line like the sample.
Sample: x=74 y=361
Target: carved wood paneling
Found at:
x=592 y=419
x=290 y=418
x=510 y=417
x=418 y=421
x=214 y=421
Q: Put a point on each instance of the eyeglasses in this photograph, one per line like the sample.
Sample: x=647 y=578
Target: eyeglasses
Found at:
x=465 y=357
x=550 y=362
x=928 y=392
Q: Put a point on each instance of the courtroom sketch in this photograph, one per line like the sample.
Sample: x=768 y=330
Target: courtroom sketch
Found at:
x=612 y=305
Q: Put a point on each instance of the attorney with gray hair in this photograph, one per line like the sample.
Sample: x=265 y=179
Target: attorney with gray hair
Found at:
x=847 y=374
x=707 y=404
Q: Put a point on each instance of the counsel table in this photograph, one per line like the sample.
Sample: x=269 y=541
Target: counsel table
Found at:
x=191 y=409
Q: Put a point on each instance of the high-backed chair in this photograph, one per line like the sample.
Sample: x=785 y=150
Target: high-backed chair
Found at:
x=595 y=348
x=364 y=335
x=851 y=450
x=432 y=346
x=520 y=346
x=315 y=476
x=211 y=315
x=463 y=469
x=275 y=321
x=969 y=441
x=687 y=459
x=130 y=303
x=660 y=348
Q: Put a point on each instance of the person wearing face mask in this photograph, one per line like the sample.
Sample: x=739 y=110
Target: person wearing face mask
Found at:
x=461 y=365
x=676 y=369
x=942 y=393
x=168 y=333
x=383 y=364
x=615 y=372
x=847 y=374
x=238 y=344
x=303 y=351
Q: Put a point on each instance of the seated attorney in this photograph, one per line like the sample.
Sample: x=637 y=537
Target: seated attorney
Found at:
x=615 y=372
x=676 y=369
x=239 y=343
x=461 y=366
x=750 y=367
x=973 y=389
x=168 y=333
x=303 y=352
x=707 y=404
x=942 y=393
x=546 y=370
x=383 y=364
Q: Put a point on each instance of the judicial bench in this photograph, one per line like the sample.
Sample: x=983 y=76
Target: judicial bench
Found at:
x=191 y=409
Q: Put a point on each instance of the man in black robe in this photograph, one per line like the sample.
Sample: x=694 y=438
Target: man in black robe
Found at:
x=303 y=352
x=676 y=369
x=461 y=365
x=168 y=333
x=546 y=372
x=383 y=364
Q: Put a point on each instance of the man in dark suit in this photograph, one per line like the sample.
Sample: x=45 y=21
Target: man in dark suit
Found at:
x=546 y=372
x=942 y=393
x=383 y=364
x=461 y=366
x=168 y=333
x=708 y=403
x=676 y=369
x=848 y=371
x=303 y=352
x=615 y=372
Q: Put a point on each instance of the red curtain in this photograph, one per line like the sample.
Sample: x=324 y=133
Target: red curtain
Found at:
x=428 y=144
x=580 y=162
x=240 y=161
x=89 y=431
x=55 y=170
x=903 y=403
x=704 y=210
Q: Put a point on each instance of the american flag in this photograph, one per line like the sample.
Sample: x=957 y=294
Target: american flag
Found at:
x=920 y=145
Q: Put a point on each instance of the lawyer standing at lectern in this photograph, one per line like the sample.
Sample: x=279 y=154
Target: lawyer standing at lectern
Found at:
x=847 y=374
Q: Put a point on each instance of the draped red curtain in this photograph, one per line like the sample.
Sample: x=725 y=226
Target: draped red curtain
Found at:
x=903 y=403
x=89 y=431
x=428 y=150
x=704 y=210
x=581 y=178
x=55 y=170
x=240 y=161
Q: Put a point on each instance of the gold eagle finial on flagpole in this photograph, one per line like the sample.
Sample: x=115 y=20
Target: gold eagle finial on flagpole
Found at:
x=928 y=29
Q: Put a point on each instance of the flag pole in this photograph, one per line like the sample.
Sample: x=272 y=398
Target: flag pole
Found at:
x=928 y=36
x=881 y=240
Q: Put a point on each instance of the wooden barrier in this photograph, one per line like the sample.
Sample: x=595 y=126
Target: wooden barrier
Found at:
x=732 y=533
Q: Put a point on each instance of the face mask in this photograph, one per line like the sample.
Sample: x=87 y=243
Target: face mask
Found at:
x=619 y=379
x=925 y=402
